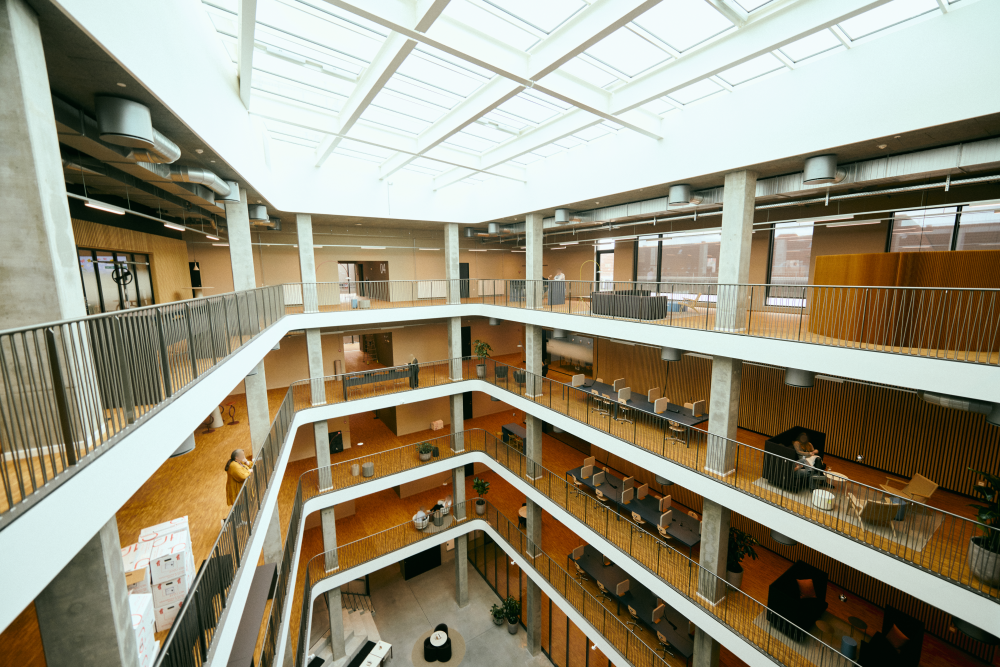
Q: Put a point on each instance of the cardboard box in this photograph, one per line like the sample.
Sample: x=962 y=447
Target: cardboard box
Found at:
x=159 y=530
x=135 y=560
x=437 y=425
x=171 y=558
x=172 y=591
x=143 y=623
x=165 y=616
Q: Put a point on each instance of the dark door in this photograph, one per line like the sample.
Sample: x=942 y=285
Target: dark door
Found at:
x=466 y=341
x=463 y=274
x=467 y=405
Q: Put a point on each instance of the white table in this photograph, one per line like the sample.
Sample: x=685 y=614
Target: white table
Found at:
x=438 y=639
x=822 y=499
x=378 y=655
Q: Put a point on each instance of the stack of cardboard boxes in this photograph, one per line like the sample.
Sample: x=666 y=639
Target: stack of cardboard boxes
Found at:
x=141 y=605
x=161 y=564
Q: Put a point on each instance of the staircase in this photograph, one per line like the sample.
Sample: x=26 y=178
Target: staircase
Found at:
x=359 y=629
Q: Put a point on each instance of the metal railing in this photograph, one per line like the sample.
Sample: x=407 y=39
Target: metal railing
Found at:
x=70 y=389
x=913 y=532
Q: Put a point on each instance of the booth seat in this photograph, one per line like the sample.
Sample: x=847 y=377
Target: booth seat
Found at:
x=779 y=468
x=788 y=611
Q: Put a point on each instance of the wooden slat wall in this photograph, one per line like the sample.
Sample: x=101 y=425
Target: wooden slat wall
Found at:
x=878 y=593
x=892 y=430
x=168 y=258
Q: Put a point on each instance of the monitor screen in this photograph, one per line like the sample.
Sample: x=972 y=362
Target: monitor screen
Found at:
x=586 y=472
x=664 y=503
x=642 y=491
x=665 y=518
x=598 y=478
x=579 y=551
x=589 y=461
x=627 y=496
x=629 y=482
x=658 y=613
x=622 y=588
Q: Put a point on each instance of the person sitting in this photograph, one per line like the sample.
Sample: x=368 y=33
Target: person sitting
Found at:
x=420 y=518
x=445 y=505
x=807 y=453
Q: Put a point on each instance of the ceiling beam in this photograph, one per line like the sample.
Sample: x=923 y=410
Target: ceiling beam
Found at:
x=760 y=36
x=390 y=56
x=246 y=19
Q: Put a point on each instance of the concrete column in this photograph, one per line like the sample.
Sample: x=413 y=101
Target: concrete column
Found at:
x=83 y=614
x=451 y=274
x=337 y=643
x=455 y=373
x=39 y=267
x=461 y=542
x=533 y=264
x=240 y=245
x=734 y=250
x=307 y=262
x=273 y=549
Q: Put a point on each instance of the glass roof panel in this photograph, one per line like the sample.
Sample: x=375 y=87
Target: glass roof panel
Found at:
x=394 y=120
x=886 y=16
x=318 y=30
x=627 y=53
x=506 y=120
x=426 y=66
x=684 y=23
x=470 y=142
x=695 y=91
x=750 y=5
x=593 y=132
x=568 y=142
x=585 y=71
x=498 y=25
x=432 y=165
x=807 y=47
x=295 y=91
x=408 y=106
x=293 y=130
x=658 y=106
x=307 y=76
x=751 y=69
x=376 y=152
x=326 y=11
x=547 y=150
x=526 y=159
x=485 y=131
x=530 y=108
x=545 y=16
x=418 y=90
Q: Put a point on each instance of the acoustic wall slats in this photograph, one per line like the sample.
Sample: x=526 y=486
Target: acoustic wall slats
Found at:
x=892 y=430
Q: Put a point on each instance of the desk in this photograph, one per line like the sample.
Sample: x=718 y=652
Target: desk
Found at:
x=378 y=655
x=508 y=430
x=673 y=626
x=639 y=402
x=683 y=528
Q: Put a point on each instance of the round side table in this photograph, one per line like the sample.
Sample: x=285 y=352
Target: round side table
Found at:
x=859 y=624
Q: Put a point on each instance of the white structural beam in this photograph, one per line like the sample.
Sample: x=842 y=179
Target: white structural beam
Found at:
x=769 y=33
x=246 y=18
x=390 y=56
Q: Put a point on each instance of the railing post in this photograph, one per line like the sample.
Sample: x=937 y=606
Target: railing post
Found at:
x=62 y=401
x=164 y=359
x=190 y=343
x=124 y=370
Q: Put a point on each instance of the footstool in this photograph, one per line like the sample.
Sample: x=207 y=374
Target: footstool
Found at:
x=822 y=499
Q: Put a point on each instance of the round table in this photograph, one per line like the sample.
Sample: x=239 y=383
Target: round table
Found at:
x=523 y=512
x=822 y=499
x=859 y=624
x=439 y=638
x=823 y=628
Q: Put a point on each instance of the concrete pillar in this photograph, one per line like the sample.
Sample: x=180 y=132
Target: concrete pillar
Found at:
x=451 y=274
x=39 y=267
x=83 y=614
x=273 y=549
x=724 y=407
x=457 y=404
x=307 y=262
x=461 y=542
x=333 y=603
x=533 y=264
x=734 y=250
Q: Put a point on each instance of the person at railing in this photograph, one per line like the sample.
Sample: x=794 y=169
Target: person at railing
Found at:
x=237 y=470
x=414 y=373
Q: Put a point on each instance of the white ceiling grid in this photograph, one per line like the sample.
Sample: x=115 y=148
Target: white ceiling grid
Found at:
x=471 y=90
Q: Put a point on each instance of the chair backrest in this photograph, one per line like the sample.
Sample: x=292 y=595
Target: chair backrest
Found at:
x=619 y=383
x=659 y=636
x=578 y=380
x=662 y=530
x=664 y=503
x=921 y=486
x=590 y=460
x=598 y=478
x=698 y=408
x=642 y=492
x=628 y=482
x=633 y=613
x=587 y=471
x=575 y=481
x=600 y=380
x=600 y=496
x=578 y=552
x=653 y=394
x=694 y=515
x=624 y=394
x=627 y=495
x=675 y=426
x=878 y=514
x=601 y=586
x=660 y=405
x=665 y=518
x=622 y=588
x=636 y=517
x=658 y=615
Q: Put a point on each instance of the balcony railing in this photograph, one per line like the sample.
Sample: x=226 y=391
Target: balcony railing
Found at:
x=738 y=611
x=69 y=390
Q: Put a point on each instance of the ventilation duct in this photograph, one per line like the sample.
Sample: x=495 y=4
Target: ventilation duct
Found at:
x=493 y=228
x=472 y=233
x=234 y=193
x=795 y=377
x=126 y=123
x=821 y=169
x=258 y=213
x=671 y=354
x=275 y=224
x=991 y=410
x=202 y=177
x=494 y=322
x=680 y=195
x=562 y=216
x=559 y=333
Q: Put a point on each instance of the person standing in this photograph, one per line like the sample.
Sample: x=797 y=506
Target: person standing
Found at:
x=237 y=470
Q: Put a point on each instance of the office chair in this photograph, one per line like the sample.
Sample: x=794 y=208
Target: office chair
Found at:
x=624 y=413
x=637 y=518
x=602 y=591
x=635 y=618
x=662 y=531
x=676 y=433
x=664 y=644
x=600 y=496
x=581 y=576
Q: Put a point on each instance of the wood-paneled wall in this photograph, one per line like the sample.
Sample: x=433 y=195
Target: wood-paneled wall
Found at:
x=892 y=430
x=168 y=258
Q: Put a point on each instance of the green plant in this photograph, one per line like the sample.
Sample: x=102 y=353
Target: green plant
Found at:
x=481 y=487
x=740 y=546
x=512 y=609
x=498 y=611
x=482 y=350
x=425 y=448
x=988 y=514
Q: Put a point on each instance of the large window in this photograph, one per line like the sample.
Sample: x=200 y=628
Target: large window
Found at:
x=647 y=257
x=690 y=259
x=979 y=228
x=606 y=265
x=790 y=253
x=926 y=230
x=115 y=280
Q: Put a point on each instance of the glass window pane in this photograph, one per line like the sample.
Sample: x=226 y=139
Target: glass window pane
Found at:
x=886 y=16
x=690 y=259
x=545 y=16
x=684 y=24
x=791 y=253
x=695 y=91
x=917 y=231
x=814 y=44
x=125 y=276
x=627 y=53
x=90 y=288
x=143 y=280
x=109 y=288
x=606 y=269
x=979 y=229
x=751 y=69
x=646 y=266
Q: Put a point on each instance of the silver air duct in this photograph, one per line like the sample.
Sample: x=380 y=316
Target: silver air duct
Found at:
x=559 y=333
x=991 y=410
x=472 y=233
x=795 y=377
x=126 y=123
x=493 y=228
x=680 y=195
x=234 y=193
x=275 y=224
x=494 y=322
x=258 y=213
x=562 y=216
x=671 y=354
x=821 y=169
x=201 y=177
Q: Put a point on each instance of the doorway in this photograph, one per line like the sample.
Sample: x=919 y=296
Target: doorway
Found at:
x=466 y=342
x=349 y=274
x=463 y=275
x=606 y=268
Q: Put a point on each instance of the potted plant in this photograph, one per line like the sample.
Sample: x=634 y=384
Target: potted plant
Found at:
x=482 y=350
x=512 y=610
x=425 y=449
x=984 y=550
x=481 y=487
x=498 y=613
x=740 y=546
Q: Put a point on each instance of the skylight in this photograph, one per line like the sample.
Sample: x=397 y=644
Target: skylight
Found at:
x=807 y=47
x=886 y=16
x=542 y=16
x=683 y=24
